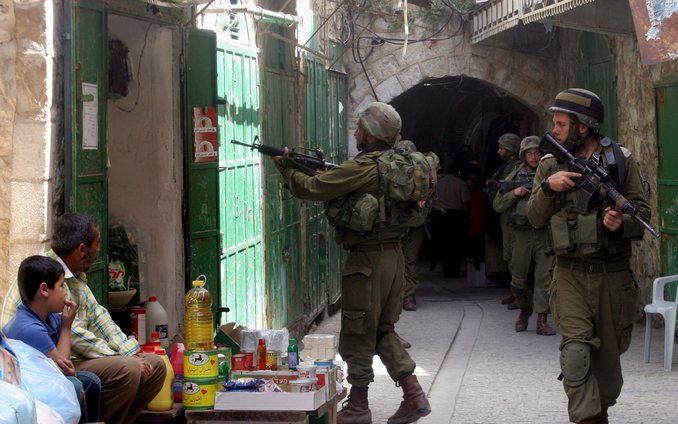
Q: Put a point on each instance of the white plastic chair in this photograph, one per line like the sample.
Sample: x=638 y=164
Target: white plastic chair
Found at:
x=668 y=310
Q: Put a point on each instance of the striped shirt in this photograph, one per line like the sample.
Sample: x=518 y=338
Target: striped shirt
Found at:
x=93 y=333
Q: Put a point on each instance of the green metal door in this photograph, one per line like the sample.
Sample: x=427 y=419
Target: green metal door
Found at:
x=87 y=187
x=597 y=73
x=667 y=176
x=317 y=137
x=284 y=285
x=201 y=194
x=336 y=153
x=240 y=192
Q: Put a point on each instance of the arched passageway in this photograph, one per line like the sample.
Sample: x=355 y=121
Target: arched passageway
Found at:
x=460 y=119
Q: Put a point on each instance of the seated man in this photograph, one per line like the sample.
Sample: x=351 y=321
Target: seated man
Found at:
x=38 y=324
x=129 y=379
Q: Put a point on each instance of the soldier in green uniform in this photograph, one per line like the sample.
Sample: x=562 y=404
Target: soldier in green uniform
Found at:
x=529 y=255
x=372 y=278
x=509 y=146
x=593 y=295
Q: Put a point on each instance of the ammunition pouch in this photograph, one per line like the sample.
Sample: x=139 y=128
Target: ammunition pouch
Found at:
x=582 y=235
x=518 y=214
x=357 y=213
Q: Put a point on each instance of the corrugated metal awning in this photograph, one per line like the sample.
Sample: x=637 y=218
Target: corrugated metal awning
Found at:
x=552 y=10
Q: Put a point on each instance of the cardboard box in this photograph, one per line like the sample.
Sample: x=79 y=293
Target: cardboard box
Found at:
x=229 y=335
x=269 y=401
x=281 y=378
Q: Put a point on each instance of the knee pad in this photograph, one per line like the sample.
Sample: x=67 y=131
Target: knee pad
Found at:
x=575 y=363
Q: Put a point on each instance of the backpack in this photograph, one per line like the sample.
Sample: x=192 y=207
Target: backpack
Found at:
x=408 y=176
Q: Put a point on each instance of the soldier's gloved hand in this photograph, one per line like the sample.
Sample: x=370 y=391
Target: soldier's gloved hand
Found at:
x=562 y=180
x=520 y=191
x=613 y=220
x=280 y=161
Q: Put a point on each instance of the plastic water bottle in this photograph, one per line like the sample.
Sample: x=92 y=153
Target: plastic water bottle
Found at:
x=163 y=401
x=156 y=320
x=198 y=317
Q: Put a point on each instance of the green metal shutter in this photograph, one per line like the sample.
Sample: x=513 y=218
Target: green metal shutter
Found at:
x=89 y=181
x=597 y=73
x=240 y=191
x=201 y=192
x=667 y=177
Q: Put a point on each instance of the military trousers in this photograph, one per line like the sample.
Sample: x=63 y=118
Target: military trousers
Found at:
x=411 y=245
x=372 y=299
x=530 y=268
x=595 y=308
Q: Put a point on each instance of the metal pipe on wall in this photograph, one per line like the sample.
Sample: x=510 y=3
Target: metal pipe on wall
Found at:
x=260 y=14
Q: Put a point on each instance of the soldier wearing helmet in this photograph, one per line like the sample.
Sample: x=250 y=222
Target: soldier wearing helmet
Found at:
x=373 y=274
x=529 y=263
x=509 y=146
x=593 y=293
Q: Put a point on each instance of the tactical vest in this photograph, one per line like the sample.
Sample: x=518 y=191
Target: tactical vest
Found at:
x=517 y=214
x=577 y=233
x=406 y=192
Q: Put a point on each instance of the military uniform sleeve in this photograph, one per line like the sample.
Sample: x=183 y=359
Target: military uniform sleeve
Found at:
x=504 y=200
x=541 y=206
x=350 y=176
x=635 y=195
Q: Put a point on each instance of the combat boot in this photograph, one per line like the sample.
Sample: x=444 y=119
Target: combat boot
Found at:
x=414 y=404
x=508 y=300
x=602 y=417
x=521 y=322
x=543 y=326
x=357 y=409
x=410 y=303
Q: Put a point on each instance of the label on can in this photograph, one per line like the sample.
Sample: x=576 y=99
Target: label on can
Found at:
x=199 y=394
x=272 y=358
x=200 y=364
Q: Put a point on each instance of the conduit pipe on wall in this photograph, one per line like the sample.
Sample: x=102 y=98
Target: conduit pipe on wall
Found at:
x=260 y=14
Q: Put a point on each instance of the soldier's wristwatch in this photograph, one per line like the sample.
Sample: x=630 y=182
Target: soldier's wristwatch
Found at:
x=546 y=188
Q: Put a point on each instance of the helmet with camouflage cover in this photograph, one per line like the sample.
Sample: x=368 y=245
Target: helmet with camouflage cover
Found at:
x=529 y=143
x=510 y=142
x=381 y=121
x=406 y=146
x=584 y=104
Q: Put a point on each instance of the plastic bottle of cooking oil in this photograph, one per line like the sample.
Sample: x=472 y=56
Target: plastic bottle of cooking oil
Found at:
x=198 y=317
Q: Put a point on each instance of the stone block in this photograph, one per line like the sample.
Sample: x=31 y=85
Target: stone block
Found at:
x=479 y=67
x=4 y=258
x=30 y=151
x=410 y=77
x=5 y=198
x=7 y=97
x=435 y=68
x=28 y=212
x=6 y=21
x=31 y=87
x=18 y=251
x=383 y=69
x=30 y=25
x=388 y=89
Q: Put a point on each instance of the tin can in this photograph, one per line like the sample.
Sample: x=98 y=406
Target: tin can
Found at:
x=301 y=385
x=199 y=393
x=272 y=358
x=239 y=362
x=201 y=364
x=249 y=363
x=307 y=371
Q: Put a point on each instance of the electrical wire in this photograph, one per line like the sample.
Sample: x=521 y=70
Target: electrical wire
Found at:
x=138 y=74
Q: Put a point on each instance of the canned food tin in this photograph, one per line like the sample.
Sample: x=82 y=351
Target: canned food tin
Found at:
x=201 y=364
x=239 y=362
x=272 y=358
x=199 y=393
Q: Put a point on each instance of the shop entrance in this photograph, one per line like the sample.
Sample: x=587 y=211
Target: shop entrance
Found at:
x=460 y=119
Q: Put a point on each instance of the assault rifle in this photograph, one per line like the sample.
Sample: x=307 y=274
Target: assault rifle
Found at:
x=524 y=179
x=596 y=179
x=309 y=165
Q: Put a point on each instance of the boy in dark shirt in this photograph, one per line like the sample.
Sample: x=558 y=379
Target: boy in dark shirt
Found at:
x=38 y=324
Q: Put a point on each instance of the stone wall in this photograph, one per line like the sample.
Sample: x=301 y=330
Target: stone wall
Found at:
x=26 y=131
x=392 y=71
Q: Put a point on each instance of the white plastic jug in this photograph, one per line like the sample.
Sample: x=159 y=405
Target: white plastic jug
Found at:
x=156 y=321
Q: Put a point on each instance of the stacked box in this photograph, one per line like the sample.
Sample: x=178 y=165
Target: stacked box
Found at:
x=281 y=378
x=319 y=347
